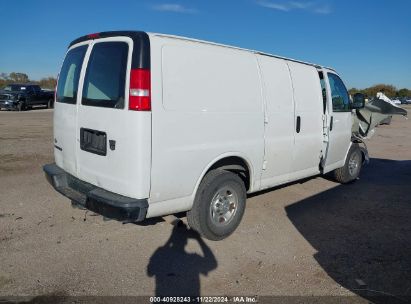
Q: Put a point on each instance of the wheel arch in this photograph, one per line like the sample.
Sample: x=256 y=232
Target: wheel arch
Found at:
x=348 y=150
x=234 y=162
x=363 y=150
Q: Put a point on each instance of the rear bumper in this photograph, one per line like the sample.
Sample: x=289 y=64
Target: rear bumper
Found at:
x=98 y=200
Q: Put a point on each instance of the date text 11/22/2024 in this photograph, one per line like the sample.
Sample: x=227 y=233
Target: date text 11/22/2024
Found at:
x=205 y=299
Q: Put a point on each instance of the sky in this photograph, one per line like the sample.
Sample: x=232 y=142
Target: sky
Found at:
x=366 y=41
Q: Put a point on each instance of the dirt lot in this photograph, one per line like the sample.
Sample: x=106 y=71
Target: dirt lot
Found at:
x=314 y=238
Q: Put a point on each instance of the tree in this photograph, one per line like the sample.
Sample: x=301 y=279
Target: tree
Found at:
x=48 y=83
x=19 y=77
x=6 y=79
x=388 y=90
x=404 y=93
x=354 y=91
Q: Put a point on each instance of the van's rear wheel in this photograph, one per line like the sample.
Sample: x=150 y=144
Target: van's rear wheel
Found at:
x=218 y=206
x=352 y=166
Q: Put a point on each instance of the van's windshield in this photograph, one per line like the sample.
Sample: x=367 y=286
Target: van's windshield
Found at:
x=104 y=83
x=69 y=75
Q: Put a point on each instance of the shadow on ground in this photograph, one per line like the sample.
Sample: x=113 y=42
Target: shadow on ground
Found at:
x=362 y=231
x=176 y=271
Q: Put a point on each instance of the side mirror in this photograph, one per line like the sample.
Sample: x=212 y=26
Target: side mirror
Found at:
x=358 y=101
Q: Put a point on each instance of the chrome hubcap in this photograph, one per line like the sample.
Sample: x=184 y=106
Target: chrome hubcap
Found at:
x=354 y=164
x=223 y=206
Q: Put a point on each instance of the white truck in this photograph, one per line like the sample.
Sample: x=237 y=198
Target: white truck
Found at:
x=147 y=125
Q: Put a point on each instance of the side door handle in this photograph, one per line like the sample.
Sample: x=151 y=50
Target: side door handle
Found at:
x=331 y=123
x=298 y=127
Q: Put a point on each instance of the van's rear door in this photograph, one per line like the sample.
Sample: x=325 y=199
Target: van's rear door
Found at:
x=65 y=112
x=111 y=143
x=112 y=139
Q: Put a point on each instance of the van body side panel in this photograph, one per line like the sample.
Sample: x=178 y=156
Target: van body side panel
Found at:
x=309 y=110
x=210 y=104
x=279 y=127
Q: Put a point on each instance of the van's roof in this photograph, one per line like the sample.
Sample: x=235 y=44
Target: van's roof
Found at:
x=238 y=48
x=141 y=37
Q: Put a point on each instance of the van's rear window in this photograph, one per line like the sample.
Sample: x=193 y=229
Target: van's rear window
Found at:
x=69 y=75
x=104 y=83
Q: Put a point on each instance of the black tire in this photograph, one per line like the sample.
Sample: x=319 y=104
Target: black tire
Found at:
x=50 y=104
x=21 y=106
x=205 y=214
x=352 y=166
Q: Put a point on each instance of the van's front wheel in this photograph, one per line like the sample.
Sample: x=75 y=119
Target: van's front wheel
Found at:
x=352 y=166
x=218 y=206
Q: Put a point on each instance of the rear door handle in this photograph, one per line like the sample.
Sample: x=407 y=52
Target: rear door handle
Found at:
x=298 y=127
x=331 y=123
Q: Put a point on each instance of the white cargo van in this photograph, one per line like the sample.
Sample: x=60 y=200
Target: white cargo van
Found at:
x=147 y=125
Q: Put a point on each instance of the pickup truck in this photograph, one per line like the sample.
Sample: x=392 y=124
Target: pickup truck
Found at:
x=21 y=97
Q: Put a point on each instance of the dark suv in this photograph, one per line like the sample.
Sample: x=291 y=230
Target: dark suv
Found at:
x=24 y=96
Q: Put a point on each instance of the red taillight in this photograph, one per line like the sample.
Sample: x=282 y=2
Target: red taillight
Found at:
x=140 y=90
x=93 y=36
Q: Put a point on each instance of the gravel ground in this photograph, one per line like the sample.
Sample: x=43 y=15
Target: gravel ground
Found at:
x=314 y=238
